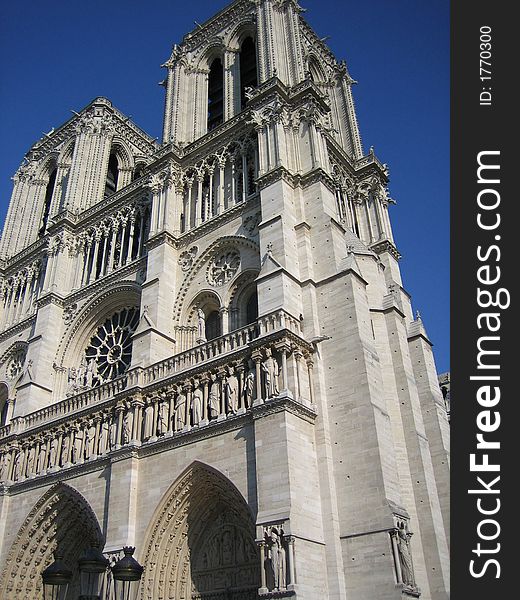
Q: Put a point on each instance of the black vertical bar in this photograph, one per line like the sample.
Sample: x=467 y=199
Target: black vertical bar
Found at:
x=484 y=127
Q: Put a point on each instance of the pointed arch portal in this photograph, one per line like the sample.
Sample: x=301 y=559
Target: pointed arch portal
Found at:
x=201 y=542
x=61 y=520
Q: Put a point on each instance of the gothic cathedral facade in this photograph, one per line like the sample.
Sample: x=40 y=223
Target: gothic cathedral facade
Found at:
x=206 y=349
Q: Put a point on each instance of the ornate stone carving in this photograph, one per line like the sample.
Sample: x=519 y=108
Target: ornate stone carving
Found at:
x=62 y=518
x=223 y=268
x=197 y=402
x=180 y=410
x=15 y=365
x=251 y=223
x=214 y=396
x=110 y=350
x=231 y=390
x=249 y=384
x=276 y=560
x=201 y=541
x=187 y=257
x=271 y=371
x=69 y=313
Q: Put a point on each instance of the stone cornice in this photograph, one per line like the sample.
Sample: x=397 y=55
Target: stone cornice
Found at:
x=227 y=216
x=385 y=245
x=51 y=141
x=166 y=443
x=50 y=298
x=16 y=329
x=100 y=284
x=163 y=237
x=29 y=254
x=295 y=179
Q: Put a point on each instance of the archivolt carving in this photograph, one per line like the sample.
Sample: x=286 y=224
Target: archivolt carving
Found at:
x=116 y=296
x=223 y=267
x=13 y=354
x=200 y=541
x=203 y=259
x=62 y=519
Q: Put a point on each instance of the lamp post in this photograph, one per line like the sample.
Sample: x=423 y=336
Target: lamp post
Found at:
x=127 y=575
x=93 y=567
x=92 y=571
x=56 y=579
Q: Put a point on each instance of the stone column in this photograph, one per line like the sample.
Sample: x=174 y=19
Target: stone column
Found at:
x=263 y=580
x=257 y=359
x=137 y=423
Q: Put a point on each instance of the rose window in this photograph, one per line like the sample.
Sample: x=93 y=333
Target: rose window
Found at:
x=15 y=366
x=109 y=352
x=223 y=267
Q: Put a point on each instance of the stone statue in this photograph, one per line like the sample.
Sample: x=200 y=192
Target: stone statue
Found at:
x=271 y=369
x=53 y=453
x=16 y=467
x=91 y=372
x=162 y=420
x=231 y=387
x=104 y=434
x=4 y=466
x=128 y=422
x=214 y=396
x=403 y=547
x=65 y=447
x=278 y=559
x=90 y=440
x=249 y=384
x=81 y=374
x=77 y=445
x=31 y=459
x=180 y=411
x=41 y=457
x=149 y=429
x=113 y=433
x=72 y=385
x=197 y=401
x=201 y=325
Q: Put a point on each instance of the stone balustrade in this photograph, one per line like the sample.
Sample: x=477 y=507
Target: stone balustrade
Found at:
x=198 y=388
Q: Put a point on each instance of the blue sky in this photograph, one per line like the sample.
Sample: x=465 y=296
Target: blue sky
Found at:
x=58 y=56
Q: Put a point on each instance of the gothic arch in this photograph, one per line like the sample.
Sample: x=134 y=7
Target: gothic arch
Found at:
x=67 y=151
x=240 y=293
x=11 y=365
x=202 y=262
x=4 y=402
x=62 y=519
x=201 y=540
x=125 y=157
x=244 y=28
x=119 y=295
x=316 y=70
x=213 y=49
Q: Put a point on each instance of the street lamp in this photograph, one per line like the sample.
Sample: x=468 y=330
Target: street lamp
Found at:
x=92 y=571
x=127 y=575
x=56 y=579
x=93 y=567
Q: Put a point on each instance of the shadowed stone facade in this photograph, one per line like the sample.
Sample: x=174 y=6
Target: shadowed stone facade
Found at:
x=206 y=348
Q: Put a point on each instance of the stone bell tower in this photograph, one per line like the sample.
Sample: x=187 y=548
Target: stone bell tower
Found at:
x=207 y=348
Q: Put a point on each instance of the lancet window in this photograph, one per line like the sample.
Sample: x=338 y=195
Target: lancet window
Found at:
x=215 y=94
x=248 y=69
x=109 y=352
x=112 y=175
x=4 y=405
x=19 y=294
x=49 y=191
x=219 y=183
x=114 y=243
